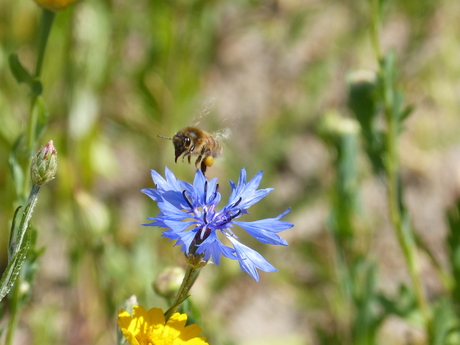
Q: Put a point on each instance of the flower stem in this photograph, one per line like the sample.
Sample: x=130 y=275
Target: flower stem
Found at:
x=376 y=24
x=189 y=279
x=46 y=23
x=402 y=228
x=17 y=235
x=14 y=312
x=393 y=116
x=15 y=245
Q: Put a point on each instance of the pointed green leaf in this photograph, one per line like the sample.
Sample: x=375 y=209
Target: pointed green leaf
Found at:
x=12 y=270
x=19 y=72
x=13 y=229
x=15 y=167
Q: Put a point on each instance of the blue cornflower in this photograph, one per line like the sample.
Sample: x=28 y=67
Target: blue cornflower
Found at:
x=190 y=216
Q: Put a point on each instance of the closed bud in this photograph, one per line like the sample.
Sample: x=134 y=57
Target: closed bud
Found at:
x=130 y=303
x=169 y=281
x=44 y=165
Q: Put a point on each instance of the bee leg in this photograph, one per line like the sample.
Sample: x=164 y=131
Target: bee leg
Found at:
x=186 y=154
x=204 y=152
x=198 y=160
x=203 y=168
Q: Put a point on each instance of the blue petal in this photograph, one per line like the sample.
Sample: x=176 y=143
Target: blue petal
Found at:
x=265 y=230
x=198 y=184
x=212 y=195
x=247 y=192
x=168 y=189
x=159 y=224
x=176 y=198
x=236 y=189
x=152 y=193
x=173 y=181
x=260 y=230
x=171 y=211
x=250 y=260
x=184 y=238
x=170 y=183
x=254 y=182
x=159 y=181
x=178 y=226
x=191 y=194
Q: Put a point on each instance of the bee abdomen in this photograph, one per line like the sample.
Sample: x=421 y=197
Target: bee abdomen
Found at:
x=214 y=147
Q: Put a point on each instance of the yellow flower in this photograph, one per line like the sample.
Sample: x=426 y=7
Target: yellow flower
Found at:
x=148 y=327
x=54 y=5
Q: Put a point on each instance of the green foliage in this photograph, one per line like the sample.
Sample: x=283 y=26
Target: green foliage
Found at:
x=23 y=76
x=453 y=243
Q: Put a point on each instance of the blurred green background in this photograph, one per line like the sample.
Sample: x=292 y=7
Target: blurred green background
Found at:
x=119 y=73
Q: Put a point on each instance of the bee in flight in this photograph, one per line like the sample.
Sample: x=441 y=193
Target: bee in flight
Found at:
x=194 y=141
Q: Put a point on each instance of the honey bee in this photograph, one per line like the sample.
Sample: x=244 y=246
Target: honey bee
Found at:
x=194 y=141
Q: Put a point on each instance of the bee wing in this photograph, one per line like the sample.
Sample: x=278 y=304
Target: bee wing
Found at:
x=204 y=119
x=203 y=112
x=222 y=134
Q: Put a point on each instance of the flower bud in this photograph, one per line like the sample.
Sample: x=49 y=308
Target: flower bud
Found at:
x=54 y=5
x=169 y=281
x=130 y=303
x=44 y=165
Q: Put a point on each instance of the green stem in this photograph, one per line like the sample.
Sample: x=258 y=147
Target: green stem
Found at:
x=189 y=279
x=403 y=230
x=16 y=238
x=401 y=225
x=18 y=235
x=14 y=246
x=46 y=23
x=376 y=28
x=14 y=312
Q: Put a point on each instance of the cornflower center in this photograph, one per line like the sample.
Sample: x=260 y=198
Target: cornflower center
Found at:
x=210 y=220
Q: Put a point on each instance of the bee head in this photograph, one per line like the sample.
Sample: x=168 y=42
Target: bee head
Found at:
x=181 y=144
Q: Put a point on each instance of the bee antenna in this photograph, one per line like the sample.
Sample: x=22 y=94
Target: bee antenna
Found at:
x=162 y=136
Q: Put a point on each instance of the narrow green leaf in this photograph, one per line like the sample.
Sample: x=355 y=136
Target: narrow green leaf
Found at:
x=19 y=72
x=15 y=167
x=14 y=267
x=445 y=324
x=16 y=242
x=13 y=226
x=406 y=112
x=12 y=270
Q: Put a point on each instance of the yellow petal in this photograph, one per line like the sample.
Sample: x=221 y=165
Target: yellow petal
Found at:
x=189 y=332
x=124 y=319
x=139 y=324
x=156 y=316
x=148 y=327
x=130 y=337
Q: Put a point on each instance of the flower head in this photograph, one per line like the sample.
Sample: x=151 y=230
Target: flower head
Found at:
x=44 y=164
x=149 y=327
x=54 y=5
x=190 y=216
